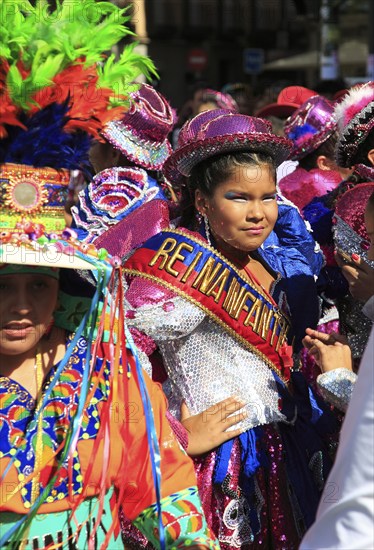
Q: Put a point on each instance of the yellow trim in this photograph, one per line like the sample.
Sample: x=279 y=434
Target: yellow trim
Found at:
x=35 y=487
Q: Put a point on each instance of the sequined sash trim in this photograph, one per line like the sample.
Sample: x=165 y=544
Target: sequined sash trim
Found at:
x=205 y=278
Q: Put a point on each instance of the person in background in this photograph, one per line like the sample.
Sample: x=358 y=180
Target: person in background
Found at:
x=345 y=516
x=243 y=95
x=346 y=230
x=198 y=289
x=127 y=165
x=204 y=99
x=138 y=140
x=73 y=451
x=312 y=130
x=287 y=101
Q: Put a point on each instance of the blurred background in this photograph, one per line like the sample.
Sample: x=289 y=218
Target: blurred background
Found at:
x=326 y=45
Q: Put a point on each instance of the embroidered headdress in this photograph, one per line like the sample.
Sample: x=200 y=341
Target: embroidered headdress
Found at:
x=57 y=91
x=220 y=131
x=111 y=196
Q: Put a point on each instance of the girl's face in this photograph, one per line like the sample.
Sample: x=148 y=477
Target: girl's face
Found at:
x=27 y=303
x=243 y=209
x=369 y=222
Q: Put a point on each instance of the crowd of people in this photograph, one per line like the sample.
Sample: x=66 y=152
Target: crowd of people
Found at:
x=187 y=301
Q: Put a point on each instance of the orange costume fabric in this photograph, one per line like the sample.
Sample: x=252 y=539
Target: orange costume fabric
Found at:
x=112 y=457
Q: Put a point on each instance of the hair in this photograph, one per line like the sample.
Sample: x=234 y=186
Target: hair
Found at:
x=370 y=202
x=361 y=156
x=327 y=149
x=210 y=173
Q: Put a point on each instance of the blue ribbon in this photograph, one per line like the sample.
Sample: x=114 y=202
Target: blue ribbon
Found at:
x=154 y=448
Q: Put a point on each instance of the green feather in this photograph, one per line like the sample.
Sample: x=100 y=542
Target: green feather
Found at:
x=120 y=76
x=48 y=42
x=43 y=73
x=14 y=82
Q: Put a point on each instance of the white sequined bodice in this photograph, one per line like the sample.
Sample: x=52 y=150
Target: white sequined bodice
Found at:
x=205 y=364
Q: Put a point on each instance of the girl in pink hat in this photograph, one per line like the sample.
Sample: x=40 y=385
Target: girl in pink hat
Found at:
x=354 y=148
x=223 y=307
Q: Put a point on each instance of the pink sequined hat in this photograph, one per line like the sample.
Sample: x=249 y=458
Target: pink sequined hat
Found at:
x=310 y=126
x=349 y=227
x=220 y=131
x=355 y=119
x=141 y=134
x=222 y=100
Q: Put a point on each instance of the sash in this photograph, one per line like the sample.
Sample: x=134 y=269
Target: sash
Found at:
x=201 y=275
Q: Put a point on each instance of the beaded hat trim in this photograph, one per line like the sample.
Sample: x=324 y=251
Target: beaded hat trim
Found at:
x=219 y=131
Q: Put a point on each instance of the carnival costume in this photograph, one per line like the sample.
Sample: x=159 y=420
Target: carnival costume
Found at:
x=96 y=437
x=222 y=335
x=354 y=116
x=309 y=127
x=141 y=134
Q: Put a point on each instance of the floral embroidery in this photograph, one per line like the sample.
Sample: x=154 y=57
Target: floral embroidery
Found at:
x=18 y=423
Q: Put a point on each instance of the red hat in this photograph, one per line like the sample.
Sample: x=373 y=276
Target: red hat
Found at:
x=288 y=100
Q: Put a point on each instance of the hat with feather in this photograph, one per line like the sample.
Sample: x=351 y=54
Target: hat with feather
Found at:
x=355 y=118
x=58 y=89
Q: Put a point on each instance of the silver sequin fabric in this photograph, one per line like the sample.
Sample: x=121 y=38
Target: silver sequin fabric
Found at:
x=204 y=363
x=355 y=323
x=336 y=387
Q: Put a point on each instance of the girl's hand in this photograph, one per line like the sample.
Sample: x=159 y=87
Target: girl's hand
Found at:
x=330 y=351
x=359 y=275
x=207 y=430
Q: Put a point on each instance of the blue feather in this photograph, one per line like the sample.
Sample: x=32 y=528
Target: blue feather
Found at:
x=46 y=127
x=300 y=131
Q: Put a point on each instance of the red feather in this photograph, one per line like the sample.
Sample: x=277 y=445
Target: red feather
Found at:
x=89 y=104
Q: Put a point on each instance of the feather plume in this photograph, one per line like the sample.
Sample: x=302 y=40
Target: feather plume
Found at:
x=357 y=99
x=32 y=143
x=302 y=132
x=51 y=58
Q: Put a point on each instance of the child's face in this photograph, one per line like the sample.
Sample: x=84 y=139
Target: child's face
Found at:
x=369 y=222
x=243 y=209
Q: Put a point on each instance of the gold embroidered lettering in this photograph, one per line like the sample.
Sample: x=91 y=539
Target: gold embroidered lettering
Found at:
x=163 y=252
x=231 y=292
x=177 y=256
x=266 y=317
x=275 y=328
x=236 y=298
x=283 y=333
x=220 y=283
x=255 y=312
x=191 y=267
x=207 y=274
